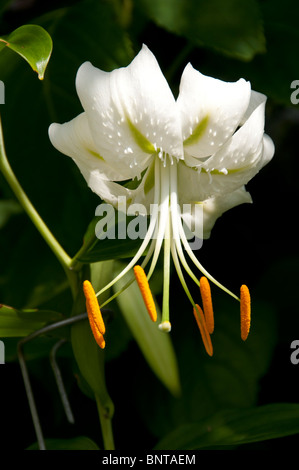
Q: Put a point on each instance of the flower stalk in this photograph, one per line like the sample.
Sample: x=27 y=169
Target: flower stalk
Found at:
x=106 y=425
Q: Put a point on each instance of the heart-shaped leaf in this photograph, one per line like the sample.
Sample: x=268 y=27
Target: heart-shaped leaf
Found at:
x=33 y=43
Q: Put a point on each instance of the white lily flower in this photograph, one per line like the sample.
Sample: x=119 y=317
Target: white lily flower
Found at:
x=200 y=149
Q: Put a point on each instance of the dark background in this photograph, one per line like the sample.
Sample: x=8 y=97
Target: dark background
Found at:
x=254 y=244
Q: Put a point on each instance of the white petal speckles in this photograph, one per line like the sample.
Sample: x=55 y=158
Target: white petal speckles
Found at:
x=132 y=106
x=210 y=110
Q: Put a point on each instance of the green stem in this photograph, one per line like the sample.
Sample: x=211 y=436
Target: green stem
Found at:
x=106 y=425
x=13 y=182
x=76 y=265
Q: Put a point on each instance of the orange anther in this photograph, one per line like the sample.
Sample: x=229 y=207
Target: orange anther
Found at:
x=94 y=314
x=245 y=311
x=200 y=319
x=206 y=296
x=146 y=292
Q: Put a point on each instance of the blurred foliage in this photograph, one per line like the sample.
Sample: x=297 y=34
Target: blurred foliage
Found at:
x=236 y=29
x=246 y=389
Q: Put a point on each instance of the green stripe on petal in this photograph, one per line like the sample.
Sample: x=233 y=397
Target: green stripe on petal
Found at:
x=95 y=154
x=150 y=179
x=197 y=132
x=226 y=171
x=139 y=138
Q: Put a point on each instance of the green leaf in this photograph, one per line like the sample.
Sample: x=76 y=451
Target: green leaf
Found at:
x=155 y=345
x=112 y=246
x=100 y=274
x=282 y=36
x=17 y=323
x=76 y=443
x=107 y=249
x=33 y=43
x=231 y=27
x=235 y=427
x=281 y=29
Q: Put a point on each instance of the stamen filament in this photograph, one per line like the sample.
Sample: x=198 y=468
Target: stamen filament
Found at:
x=166 y=227
x=162 y=215
x=179 y=272
x=94 y=314
x=200 y=319
x=166 y=276
x=147 y=237
x=175 y=215
x=145 y=292
x=199 y=266
x=143 y=265
x=205 y=291
x=197 y=311
x=245 y=311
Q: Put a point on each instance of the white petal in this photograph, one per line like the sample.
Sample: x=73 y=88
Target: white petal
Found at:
x=238 y=161
x=107 y=190
x=221 y=183
x=241 y=158
x=144 y=194
x=210 y=110
x=243 y=148
x=213 y=208
x=74 y=140
x=131 y=112
x=256 y=99
x=268 y=151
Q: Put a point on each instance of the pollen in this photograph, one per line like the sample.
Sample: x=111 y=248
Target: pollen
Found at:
x=205 y=335
x=97 y=335
x=245 y=311
x=94 y=314
x=145 y=292
x=206 y=296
